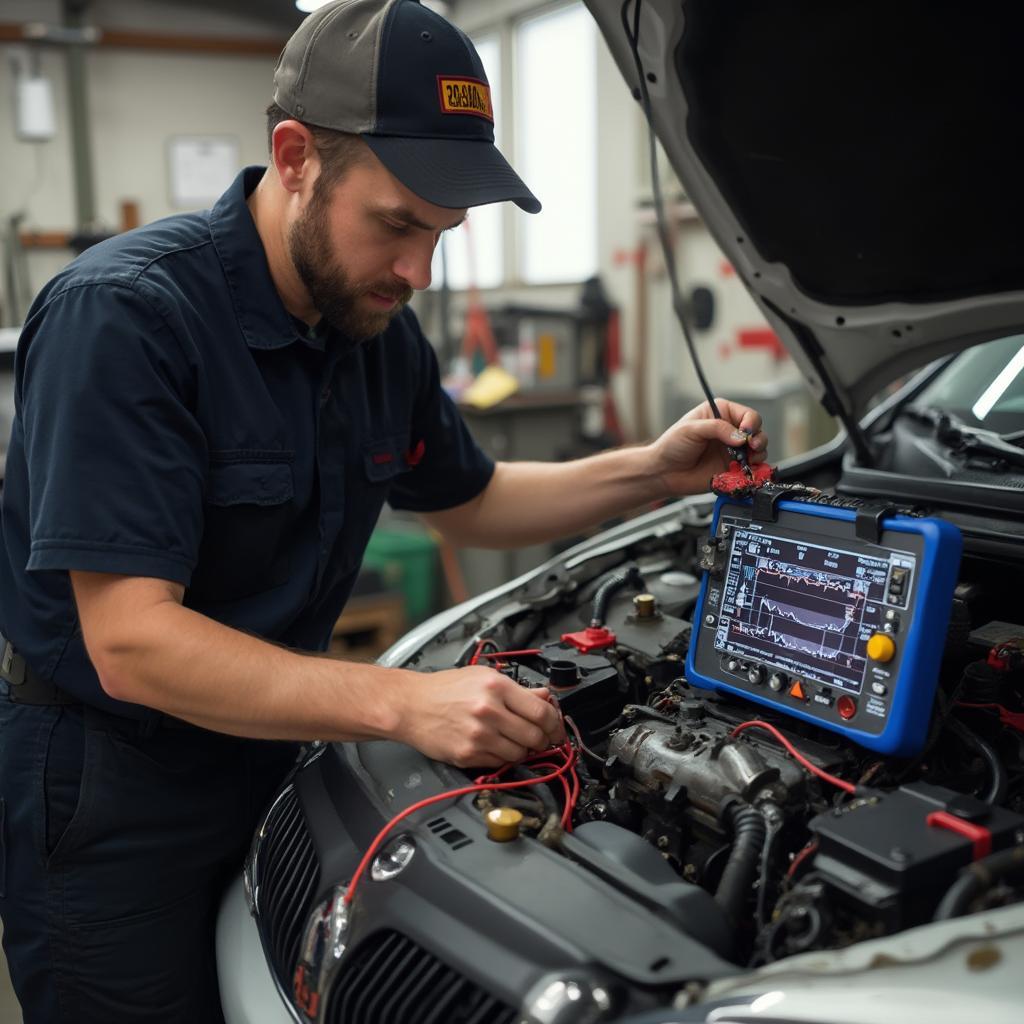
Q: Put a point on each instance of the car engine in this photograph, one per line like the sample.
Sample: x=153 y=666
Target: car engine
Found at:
x=805 y=840
x=686 y=834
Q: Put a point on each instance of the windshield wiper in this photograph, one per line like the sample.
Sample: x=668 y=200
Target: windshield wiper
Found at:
x=962 y=439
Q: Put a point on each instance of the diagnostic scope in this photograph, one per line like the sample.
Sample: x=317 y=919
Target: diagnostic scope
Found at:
x=830 y=611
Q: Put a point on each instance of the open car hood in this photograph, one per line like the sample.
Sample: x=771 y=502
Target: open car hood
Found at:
x=858 y=163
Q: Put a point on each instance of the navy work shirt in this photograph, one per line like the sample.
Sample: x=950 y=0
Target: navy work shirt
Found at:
x=173 y=421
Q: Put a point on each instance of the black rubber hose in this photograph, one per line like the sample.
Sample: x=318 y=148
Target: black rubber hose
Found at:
x=631 y=577
x=977 y=879
x=543 y=793
x=997 y=790
x=523 y=631
x=748 y=839
x=773 y=826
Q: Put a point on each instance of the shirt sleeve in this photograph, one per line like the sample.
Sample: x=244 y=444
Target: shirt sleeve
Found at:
x=451 y=468
x=115 y=458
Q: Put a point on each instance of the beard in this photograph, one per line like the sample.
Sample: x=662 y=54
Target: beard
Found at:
x=334 y=295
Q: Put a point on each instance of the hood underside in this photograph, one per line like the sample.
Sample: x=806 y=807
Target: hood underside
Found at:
x=857 y=162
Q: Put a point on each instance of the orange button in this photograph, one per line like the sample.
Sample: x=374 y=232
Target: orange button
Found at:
x=797 y=691
x=881 y=647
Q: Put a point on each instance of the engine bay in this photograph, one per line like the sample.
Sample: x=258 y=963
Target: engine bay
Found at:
x=805 y=839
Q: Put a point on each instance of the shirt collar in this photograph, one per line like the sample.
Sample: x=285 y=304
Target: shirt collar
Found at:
x=264 y=321
x=314 y=337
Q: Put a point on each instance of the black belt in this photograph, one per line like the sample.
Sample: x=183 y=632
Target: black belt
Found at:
x=24 y=685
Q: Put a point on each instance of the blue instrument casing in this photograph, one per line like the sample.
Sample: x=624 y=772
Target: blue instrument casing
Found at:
x=788 y=616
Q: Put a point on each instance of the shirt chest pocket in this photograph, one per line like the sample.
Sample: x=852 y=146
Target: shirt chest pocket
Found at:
x=247 y=512
x=380 y=464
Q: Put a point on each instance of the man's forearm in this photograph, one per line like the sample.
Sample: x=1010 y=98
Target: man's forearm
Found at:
x=533 y=502
x=147 y=648
x=190 y=666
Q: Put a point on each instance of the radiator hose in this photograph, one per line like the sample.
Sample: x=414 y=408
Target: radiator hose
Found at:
x=748 y=838
x=631 y=577
x=976 y=879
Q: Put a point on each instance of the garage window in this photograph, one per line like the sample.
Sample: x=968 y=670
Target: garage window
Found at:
x=556 y=144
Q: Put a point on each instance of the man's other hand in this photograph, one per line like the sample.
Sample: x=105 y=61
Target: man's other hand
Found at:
x=694 y=449
x=476 y=717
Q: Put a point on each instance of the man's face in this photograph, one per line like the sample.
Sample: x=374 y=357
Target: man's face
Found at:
x=362 y=246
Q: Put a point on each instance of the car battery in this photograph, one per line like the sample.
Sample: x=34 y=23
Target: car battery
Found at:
x=897 y=853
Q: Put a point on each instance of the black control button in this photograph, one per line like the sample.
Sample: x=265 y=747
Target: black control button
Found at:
x=777 y=681
x=897 y=581
x=755 y=675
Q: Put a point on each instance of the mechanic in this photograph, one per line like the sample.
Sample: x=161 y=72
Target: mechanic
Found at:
x=211 y=412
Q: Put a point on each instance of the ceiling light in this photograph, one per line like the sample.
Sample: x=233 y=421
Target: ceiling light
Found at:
x=308 y=6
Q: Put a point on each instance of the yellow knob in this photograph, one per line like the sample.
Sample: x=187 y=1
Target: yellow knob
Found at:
x=503 y=824
x=881 y=647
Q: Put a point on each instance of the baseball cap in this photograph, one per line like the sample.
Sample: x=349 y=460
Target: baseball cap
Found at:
x=412 y=86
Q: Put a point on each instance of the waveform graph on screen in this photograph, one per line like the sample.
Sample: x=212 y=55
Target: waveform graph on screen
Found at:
x=806 y=607
x=818 y=616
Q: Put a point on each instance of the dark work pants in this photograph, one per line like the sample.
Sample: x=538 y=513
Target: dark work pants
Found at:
x=115 y=848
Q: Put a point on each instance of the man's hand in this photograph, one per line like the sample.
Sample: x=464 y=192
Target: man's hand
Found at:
x=693 y=450
x=476 y=717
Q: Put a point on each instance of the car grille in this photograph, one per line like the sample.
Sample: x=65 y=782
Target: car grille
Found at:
x=287 y=876
x=389 y=979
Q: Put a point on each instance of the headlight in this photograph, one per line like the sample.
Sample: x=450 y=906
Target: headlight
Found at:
x=393 y=859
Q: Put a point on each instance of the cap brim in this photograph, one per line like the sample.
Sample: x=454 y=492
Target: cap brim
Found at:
x=453 y=173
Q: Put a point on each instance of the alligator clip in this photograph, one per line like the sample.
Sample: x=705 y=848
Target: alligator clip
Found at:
x=741 y=479
x=739 y=456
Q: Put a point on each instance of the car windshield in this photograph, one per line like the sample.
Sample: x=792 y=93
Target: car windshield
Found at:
x=982 y=387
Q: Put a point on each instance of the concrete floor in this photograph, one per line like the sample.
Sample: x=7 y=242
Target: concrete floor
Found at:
x=9 y=1010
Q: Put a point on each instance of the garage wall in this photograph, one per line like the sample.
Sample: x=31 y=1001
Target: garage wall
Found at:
x=137 y=100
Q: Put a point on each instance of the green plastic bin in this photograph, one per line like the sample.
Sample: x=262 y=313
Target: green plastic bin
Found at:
x=407 y=559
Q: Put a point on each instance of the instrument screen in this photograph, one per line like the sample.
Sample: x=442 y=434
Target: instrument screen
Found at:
x=807 y=608
x=827 y=615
